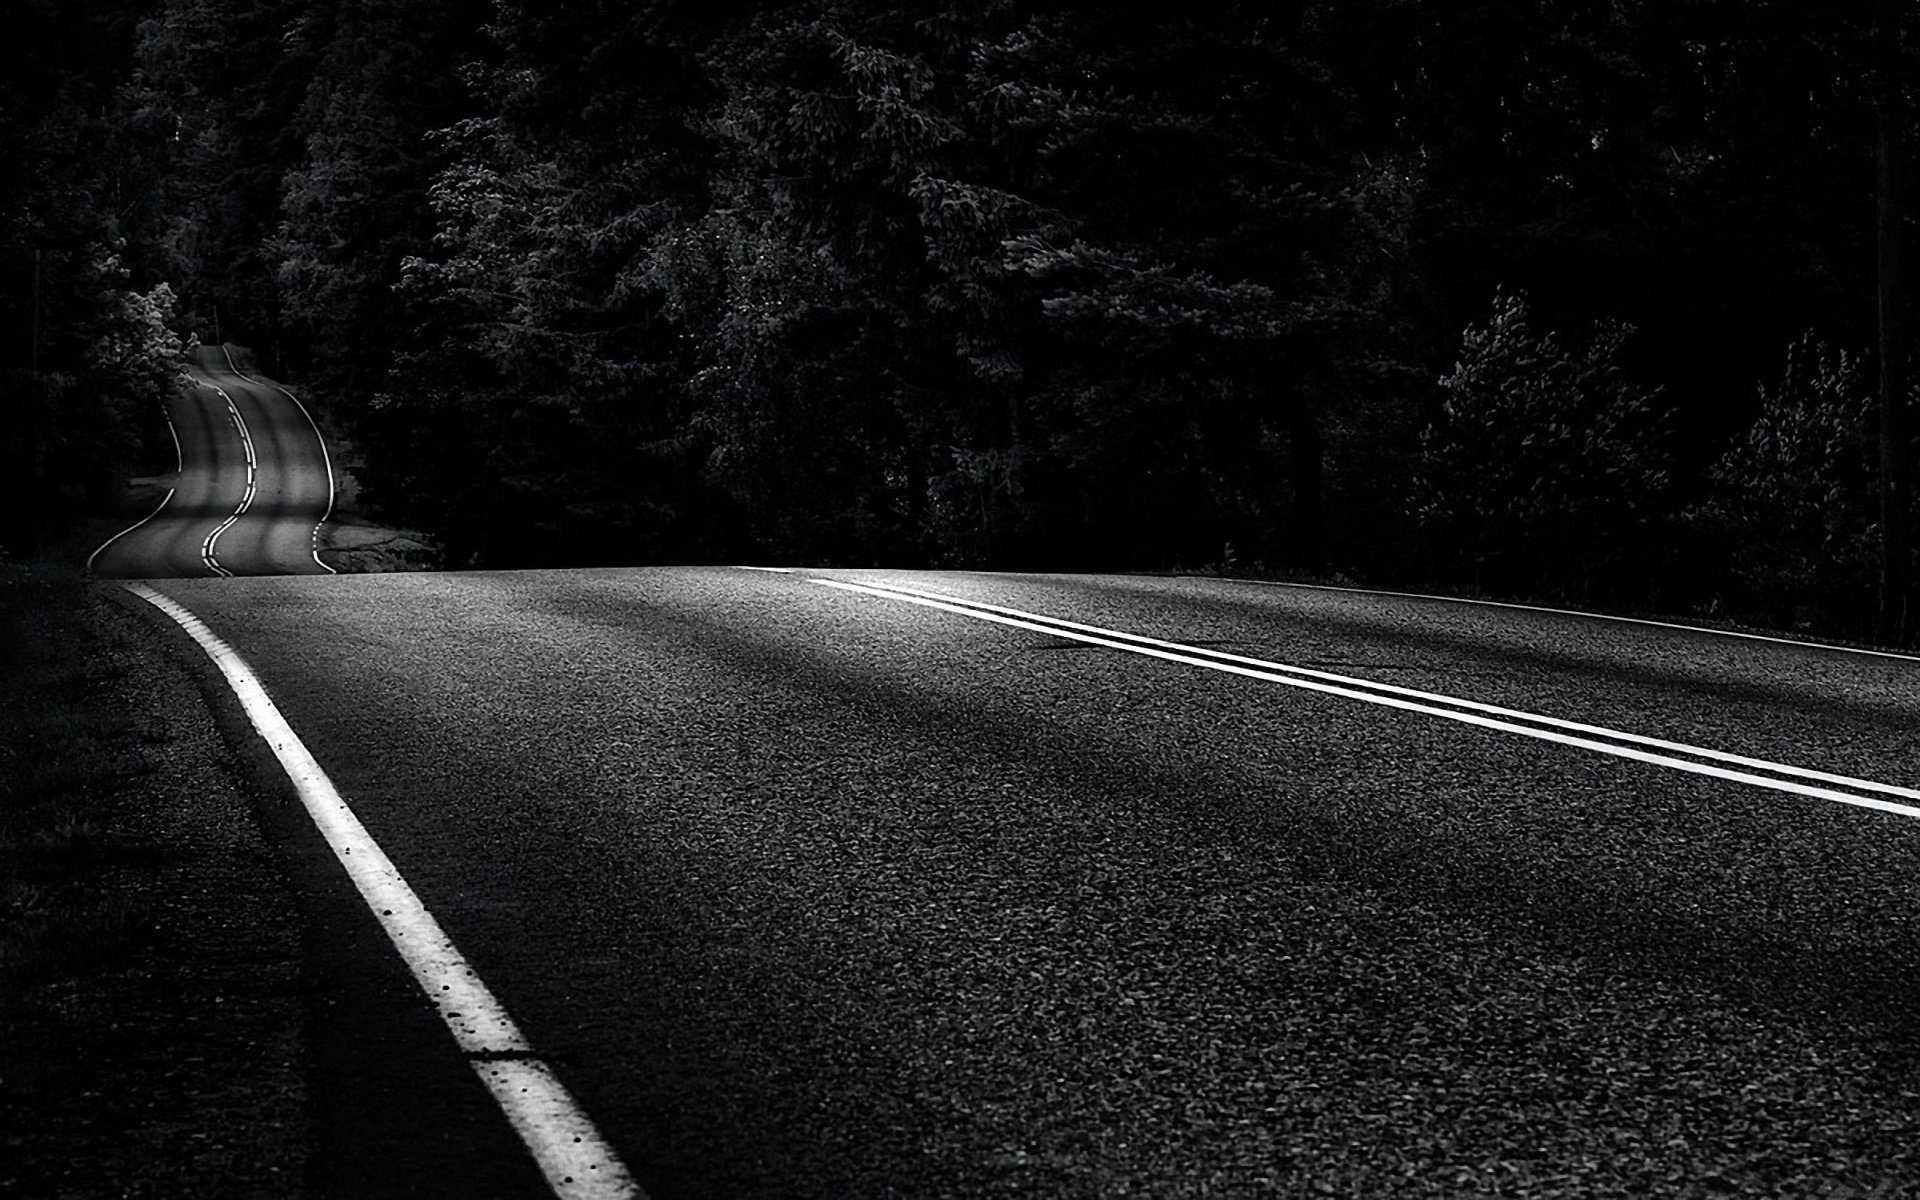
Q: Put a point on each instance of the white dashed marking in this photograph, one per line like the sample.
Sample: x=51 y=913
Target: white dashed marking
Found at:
x=326 y=459
x=207 y=554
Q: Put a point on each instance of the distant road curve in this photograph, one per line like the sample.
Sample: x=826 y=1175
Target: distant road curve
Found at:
x=255 y=485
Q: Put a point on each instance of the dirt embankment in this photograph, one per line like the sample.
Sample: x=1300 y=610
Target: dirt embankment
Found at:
x=355 y=540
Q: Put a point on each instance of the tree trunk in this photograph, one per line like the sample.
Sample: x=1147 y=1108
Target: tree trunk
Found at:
x=918 y=535
x=1896 y=566
x=39 y=489
x=1307 y=450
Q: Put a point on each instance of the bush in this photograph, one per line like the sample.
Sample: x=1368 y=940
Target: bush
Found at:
x=1546 y=472
x=1793 y=501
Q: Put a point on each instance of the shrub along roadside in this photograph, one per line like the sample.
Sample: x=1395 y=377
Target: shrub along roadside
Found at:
x=1548 y=470
x=1794 y=499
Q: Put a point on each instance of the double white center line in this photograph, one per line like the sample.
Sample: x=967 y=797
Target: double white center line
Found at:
x=1679 y=756
x=246 y=498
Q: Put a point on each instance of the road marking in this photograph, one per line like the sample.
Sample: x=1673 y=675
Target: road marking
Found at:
x=1619 y=743
x=577 y=1162
x=179 y=464
x=772 y=570
x=326 y=459
x=246 y=499
x=1570 y=612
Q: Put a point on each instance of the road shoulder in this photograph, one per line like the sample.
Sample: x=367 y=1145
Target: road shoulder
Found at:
x=161 y=1052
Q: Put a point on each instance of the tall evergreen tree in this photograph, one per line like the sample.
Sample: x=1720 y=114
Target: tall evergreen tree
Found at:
x=354 y=205
x=227 y=77
x=92 y=346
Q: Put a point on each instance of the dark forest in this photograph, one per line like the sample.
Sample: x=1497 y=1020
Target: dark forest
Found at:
x=1597 y=303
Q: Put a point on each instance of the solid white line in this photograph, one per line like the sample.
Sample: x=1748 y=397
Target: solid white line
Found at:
x=325 y=458
x=574 y=1157
x=129 y=529
x=771 y=570
x=1301 y=677
x=1571 y=612
x=179 y=462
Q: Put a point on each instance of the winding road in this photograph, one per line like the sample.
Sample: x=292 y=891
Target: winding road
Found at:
x=706 y=882
x=255 y=484
x=865 y=883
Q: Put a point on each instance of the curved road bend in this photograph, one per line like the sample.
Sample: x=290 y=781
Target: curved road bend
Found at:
x=255 y=484
x=805 y=888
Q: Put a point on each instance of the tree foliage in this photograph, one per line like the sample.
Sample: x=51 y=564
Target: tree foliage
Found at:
x=977 y=283
x=90 y=346
x=1548 y=464
x=1793 y=500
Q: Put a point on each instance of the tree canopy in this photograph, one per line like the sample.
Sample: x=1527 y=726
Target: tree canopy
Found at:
x=1492 y=294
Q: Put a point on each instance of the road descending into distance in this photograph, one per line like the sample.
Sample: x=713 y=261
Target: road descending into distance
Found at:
x=860 y=883
x=255 y=484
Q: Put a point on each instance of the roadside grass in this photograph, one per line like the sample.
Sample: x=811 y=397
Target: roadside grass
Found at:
x=150 y=1040
x=63 y=754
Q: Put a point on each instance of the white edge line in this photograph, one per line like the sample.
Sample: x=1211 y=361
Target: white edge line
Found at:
x=576 y=1160
x=129 y=529
x=1455 y=701
x=1275 y=676
x=1568 y=612
x=179 y=464
x=770 y=570
x=325 y=457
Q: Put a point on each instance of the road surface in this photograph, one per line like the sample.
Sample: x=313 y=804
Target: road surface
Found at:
x=838 y=883
x=255 y=483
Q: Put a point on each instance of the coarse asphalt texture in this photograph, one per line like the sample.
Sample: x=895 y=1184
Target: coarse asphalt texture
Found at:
x=254 y=484
x=806 y=892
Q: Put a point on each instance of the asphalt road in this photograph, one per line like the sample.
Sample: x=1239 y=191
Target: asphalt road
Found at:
x=807 y=891
x=254 y=485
